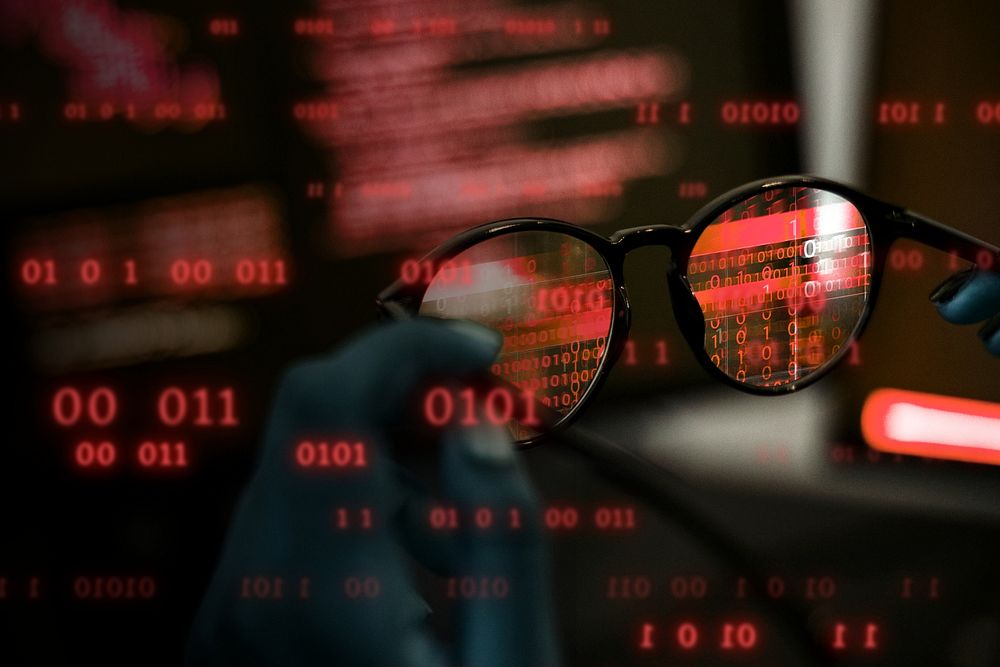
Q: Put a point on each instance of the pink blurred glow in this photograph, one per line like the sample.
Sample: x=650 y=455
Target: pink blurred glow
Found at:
x=421 y=148
x=117 y=57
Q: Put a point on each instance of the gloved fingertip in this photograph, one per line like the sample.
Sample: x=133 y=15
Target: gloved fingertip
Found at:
x=990 y=335
x=489 y=446
x=484 y=447
x=480 y=467
x=488 y=339
x=968 y=297
x=951 y=286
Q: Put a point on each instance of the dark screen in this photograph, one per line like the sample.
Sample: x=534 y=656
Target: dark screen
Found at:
x=195 y=195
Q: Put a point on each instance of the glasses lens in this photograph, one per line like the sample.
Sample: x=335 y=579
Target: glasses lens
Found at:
x=550 y=295
x=782 y=279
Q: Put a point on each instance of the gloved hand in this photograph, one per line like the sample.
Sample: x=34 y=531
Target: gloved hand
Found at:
x=346 y=594
x=972 y=296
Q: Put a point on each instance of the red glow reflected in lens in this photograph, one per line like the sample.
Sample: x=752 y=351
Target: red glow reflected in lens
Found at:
x=782 y=279
x=550 y=294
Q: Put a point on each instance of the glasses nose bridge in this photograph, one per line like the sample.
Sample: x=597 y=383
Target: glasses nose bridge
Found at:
x=632 y=238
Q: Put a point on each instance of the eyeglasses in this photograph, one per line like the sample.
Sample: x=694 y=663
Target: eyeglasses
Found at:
x=770 y=283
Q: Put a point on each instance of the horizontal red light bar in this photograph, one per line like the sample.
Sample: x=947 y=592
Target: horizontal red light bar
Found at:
x=941 y=427
x=804 y=223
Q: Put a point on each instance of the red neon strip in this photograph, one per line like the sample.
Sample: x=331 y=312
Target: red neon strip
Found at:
x=828 y=219
x=941 y=427
x=760 y=292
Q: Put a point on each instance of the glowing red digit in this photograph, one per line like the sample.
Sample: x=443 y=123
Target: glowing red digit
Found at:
x=102 y=406
x=201 y=401
x=245 y=272
x=560 y=299
x=646 y=642
x=742 y=636
x=340 y=454
x=162 y=455
x=505 y=412
x=180 y=272
x=305 y=454
x=227 y=397
x=484 y=517
x=90 y=271
x=147 y=454
x=201 y=272
x=561 y=518
x=67 y=406
x=130 y=273
x=356 y=587
x=439 y=406
x=444 y=518
x=172 y=406
x=34 y=272
x=871 y=631
x=687 y=636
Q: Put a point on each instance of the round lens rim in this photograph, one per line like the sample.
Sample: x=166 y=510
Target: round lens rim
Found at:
x=613 y=259
x=692 y=320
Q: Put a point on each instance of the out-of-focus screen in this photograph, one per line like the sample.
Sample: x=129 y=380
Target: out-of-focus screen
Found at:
x=197 y=194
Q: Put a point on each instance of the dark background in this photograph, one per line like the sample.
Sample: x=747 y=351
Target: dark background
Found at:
x=867 y=521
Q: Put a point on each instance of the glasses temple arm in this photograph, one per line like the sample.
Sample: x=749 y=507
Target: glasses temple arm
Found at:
x=391 y=310
x=398 y=301
x=920 y=228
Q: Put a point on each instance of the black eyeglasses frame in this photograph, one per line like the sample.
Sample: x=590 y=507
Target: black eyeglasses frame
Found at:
x=886 y=223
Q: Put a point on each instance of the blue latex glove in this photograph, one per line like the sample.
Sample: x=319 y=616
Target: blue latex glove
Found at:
x=969 y=297
x=284 y=524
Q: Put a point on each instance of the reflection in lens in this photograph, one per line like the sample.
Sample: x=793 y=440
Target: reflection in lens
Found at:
x=782 y=279
x=549 y=294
